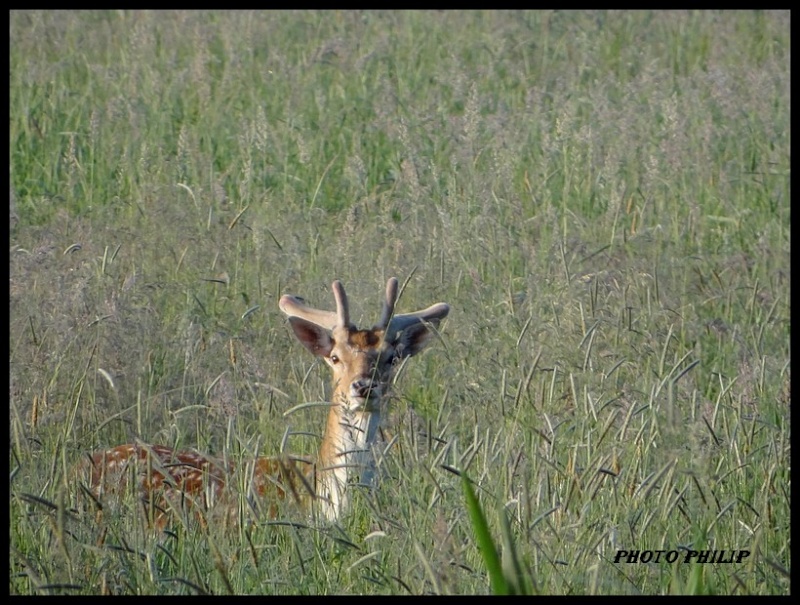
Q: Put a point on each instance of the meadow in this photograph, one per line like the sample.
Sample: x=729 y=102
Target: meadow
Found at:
x=602 y=198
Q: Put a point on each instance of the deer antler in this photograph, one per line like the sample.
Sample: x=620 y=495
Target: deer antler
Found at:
x=433 y=314
x=394 y=325
x=295 y=306
x=388 y=304
x=342 y=309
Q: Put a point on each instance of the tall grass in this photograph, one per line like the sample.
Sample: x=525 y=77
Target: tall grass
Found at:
x=603 y=198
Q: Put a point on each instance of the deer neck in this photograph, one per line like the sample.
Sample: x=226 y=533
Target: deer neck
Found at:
x=345 y=451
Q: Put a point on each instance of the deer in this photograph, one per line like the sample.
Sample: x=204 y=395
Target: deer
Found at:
x=363 y=363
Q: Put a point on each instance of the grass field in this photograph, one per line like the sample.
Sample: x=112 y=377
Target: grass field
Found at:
x=602 y=198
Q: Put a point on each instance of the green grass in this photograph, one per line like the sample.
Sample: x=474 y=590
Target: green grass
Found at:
x=603 y=198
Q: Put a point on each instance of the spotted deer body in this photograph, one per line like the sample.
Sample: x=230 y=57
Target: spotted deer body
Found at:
x=362 y=363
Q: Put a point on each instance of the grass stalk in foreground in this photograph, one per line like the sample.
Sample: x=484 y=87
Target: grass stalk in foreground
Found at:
x=505 y=574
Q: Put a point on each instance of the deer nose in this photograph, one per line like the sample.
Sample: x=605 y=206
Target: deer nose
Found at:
x=363 y=388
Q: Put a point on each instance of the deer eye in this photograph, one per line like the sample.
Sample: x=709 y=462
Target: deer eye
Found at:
x=334 y=359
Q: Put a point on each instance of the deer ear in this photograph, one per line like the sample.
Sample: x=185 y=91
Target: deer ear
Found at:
x=313 y=337
x=412 y=340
